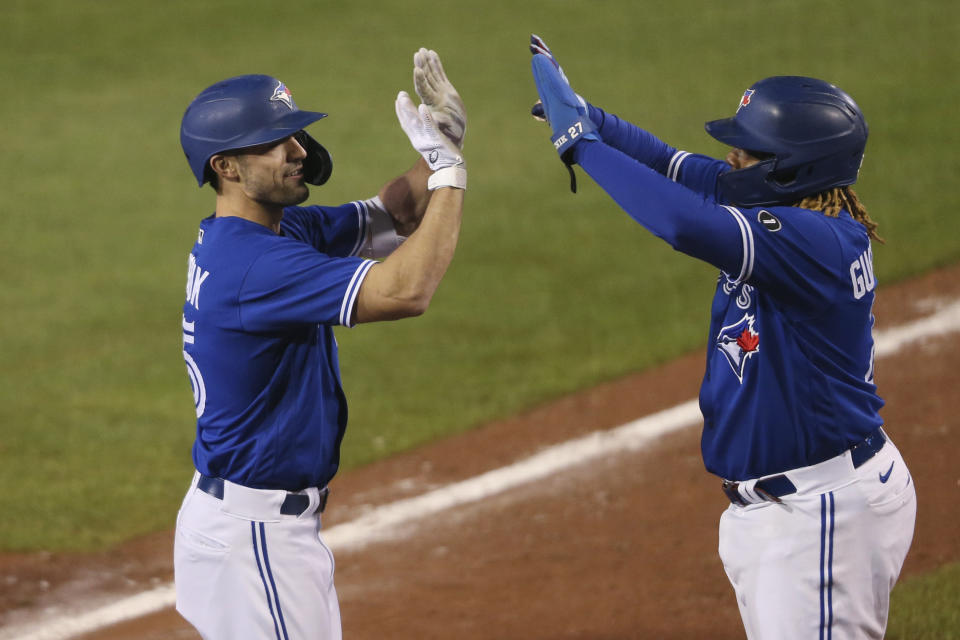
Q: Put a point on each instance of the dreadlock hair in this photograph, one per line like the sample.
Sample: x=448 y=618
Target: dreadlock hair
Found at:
x=831 y=201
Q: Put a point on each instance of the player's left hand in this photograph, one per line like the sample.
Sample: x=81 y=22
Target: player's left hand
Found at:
x=436 y=91
x=419 y=125
x=563 y=110
x=538 y=46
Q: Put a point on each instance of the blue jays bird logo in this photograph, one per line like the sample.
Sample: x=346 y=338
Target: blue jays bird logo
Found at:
x=282 y=94
x=745 y=100
x=737 y=342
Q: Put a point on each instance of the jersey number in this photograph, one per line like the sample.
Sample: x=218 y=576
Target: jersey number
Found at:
x=196 y=378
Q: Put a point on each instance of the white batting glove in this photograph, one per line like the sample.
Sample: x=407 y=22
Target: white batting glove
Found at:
x=442 y=156
x=438 y=94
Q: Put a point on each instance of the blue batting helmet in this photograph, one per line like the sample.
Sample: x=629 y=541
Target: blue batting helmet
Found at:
x=246 y=111
x=809 y=135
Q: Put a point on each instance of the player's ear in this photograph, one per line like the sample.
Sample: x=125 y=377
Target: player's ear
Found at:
x=224 y=166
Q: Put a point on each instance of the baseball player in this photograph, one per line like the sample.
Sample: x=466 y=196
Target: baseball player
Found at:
x=267 y=281
x=822 y=505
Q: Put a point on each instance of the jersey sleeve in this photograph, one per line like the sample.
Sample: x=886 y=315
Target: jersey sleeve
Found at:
x=698 y=173
x=791 y=253
x=293 y=284
x=639 y=144
x=688 y=221
x=797 y=257
x=335 y=231
x=694 y=171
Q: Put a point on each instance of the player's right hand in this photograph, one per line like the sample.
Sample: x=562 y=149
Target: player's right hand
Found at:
x=425 y=136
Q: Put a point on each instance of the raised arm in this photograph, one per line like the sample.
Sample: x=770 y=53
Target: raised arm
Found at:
x=403 y=284
x=406 y=197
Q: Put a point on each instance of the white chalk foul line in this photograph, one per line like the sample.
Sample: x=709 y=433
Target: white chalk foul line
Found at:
x=944 y=320
x=384 y=522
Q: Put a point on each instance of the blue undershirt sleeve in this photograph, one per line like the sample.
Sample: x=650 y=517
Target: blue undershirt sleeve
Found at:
x=694 y=171
x=639 y=144
x=688 y=221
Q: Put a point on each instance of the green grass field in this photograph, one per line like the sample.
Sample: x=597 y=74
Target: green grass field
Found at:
x=549 y=292
x=926 y=607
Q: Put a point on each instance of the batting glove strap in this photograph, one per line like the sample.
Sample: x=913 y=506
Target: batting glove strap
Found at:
x=455 y=177
x=563 y=140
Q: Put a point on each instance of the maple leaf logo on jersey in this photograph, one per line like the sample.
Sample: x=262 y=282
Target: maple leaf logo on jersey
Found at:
x=282 y=94
x=745 y=100
x=737 y=342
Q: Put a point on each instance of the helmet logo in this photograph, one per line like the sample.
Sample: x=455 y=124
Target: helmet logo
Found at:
x=282 y=94
x=745 y=100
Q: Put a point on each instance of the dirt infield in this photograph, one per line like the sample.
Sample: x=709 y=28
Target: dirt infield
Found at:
x=624 y=548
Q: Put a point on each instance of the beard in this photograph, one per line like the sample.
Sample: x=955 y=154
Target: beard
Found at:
x=266 y=191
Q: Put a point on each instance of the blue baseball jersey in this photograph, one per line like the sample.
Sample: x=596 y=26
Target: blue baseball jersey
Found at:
x=259 y=346
x=789 y=371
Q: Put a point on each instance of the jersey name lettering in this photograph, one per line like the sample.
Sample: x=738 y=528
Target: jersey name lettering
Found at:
x=861 y=274
x=195 y=278
x=744 y=298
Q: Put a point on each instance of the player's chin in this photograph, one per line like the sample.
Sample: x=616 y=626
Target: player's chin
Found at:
x=294 y=192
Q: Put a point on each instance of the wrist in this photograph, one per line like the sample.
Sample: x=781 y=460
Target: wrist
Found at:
x=455 y=176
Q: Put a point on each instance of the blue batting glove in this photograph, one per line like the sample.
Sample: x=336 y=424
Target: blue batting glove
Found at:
x=565 y=113
x=538 y=46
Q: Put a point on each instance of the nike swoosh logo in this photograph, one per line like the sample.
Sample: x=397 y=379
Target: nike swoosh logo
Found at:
x=886 y=476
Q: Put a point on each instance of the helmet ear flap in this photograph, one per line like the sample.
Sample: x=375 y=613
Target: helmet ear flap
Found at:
x=318 y=165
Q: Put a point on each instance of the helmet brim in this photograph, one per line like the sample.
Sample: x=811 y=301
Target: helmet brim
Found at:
x=280 y=129
x=730 y=132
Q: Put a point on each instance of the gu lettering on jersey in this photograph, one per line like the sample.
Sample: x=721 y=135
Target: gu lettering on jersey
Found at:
x=861 y=274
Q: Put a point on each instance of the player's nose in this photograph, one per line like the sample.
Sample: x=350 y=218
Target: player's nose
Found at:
x=295 y=150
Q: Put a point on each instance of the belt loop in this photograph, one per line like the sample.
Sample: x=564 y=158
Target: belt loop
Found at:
x=733 y=493
x=316 y=502
x=868 y=447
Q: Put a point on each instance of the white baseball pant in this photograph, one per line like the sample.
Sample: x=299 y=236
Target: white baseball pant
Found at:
x=821 y=564
x=245 y=571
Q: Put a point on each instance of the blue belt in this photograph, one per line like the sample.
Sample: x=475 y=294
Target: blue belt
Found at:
x=293 y=505
x=775 y=487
